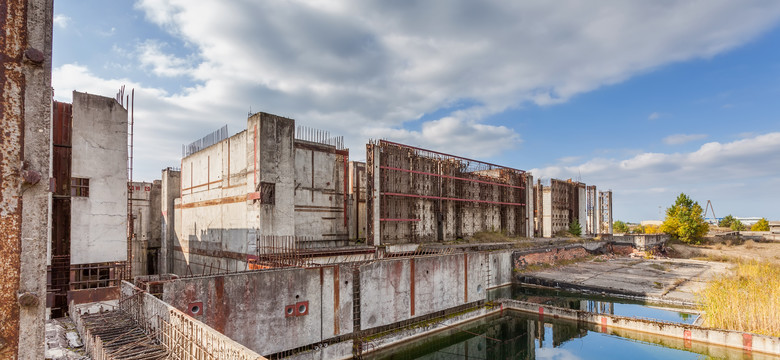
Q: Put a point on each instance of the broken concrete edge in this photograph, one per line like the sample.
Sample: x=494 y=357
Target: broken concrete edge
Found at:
x=745 y=341
x=530 y=280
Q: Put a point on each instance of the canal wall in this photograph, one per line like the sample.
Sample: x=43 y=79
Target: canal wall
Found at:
x=278 y=310
x=689 y=333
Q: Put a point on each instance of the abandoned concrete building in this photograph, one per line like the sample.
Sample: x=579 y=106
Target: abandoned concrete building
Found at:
x=561 y=202
x=280 y=207
x=89 y=247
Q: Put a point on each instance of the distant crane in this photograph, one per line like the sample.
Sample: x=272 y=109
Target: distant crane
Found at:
x=708 y=207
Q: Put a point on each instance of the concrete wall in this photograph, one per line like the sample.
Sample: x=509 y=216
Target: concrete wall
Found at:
x=320 y=200
x=250 y=307
x=146 y=227
x=399 y=289
x=357 y=200
x=258 y=185
x=420 y=196
x=170 y=187
x=99 y=153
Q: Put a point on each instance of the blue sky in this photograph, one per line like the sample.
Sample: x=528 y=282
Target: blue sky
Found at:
x=646 y=99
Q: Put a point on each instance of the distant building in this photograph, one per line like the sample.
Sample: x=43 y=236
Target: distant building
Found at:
x=651 y=222
x=774 y=227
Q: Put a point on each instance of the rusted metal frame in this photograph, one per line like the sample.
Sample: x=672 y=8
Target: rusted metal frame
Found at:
x=346 y=184
x=451 y=177
x=448 y=155
x=452 y=199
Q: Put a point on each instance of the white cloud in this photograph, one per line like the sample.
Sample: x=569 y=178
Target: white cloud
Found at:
x=714 y=171
x=654 y=116
x=61 y=21
x=150 y=55
x=372 y=68
x=678 y=139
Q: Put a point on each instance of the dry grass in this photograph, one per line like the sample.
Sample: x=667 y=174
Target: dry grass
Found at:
x=748 y=300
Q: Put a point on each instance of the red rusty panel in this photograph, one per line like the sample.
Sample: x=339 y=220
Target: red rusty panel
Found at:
x=93 y=295
x=62 y=117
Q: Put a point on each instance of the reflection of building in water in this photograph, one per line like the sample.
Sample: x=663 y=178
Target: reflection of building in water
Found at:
x=598 y=307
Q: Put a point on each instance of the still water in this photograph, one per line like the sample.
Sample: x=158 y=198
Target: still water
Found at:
x=595 y=303
x=515 y=335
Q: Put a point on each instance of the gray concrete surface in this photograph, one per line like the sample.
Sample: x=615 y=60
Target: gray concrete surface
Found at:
x=98 y=226
x=674 y=280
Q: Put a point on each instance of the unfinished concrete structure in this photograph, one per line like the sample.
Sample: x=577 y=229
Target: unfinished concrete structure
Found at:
x=560 y=203
x=147 y=231
x=357 y=201
x=417 y=196
x=263 y=189
x=25 y=157
x=89 y=246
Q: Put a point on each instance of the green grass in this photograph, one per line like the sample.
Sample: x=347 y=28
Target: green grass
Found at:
x=748 y=300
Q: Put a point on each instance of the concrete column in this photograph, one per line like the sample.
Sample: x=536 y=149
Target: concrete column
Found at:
x=375 y=193
x=25 y=153
x=529 y=205
x=583 y=211
x=546 y=207
x=171 y=189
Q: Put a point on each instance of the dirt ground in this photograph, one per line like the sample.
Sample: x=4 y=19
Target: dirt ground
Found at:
x=729 y=250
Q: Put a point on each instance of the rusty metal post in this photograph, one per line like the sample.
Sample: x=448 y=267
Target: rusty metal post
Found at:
x=25 y=105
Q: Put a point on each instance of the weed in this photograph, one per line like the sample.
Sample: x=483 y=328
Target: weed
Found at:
x=745 y=301
x=660 y=267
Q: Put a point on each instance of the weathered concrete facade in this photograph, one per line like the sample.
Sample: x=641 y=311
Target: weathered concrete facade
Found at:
x=564 y=201
x=418 y=195
x=357 y=201
x=170 y=187
x=98 y=216
x=147 y=227
x=315 y=304
x=258 y=184
x=89 y=247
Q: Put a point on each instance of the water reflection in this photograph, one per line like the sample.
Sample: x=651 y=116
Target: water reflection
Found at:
x=515 y=335
x=595 y=303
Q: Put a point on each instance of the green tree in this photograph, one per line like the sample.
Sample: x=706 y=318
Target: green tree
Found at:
x=737 y=225
x=639 y=229
x=575 y=228
x=619 y=227
x=761 y=225
x=726 y=221
x=684 y=220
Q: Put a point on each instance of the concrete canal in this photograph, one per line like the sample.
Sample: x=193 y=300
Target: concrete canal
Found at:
x=516 y=335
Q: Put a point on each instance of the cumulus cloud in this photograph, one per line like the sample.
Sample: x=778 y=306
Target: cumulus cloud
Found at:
x=151 y=56
x=678 y=139
x=375 y=68
x=653 y=116
x=714 y=170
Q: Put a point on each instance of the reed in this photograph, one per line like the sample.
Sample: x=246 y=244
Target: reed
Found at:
x=748 y=300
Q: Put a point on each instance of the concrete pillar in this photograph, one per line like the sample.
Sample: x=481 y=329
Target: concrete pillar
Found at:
x=529 y=205
x=375 y=194
x=583 y=212
x=171 y=189
x=25 y=165
x=546 y=211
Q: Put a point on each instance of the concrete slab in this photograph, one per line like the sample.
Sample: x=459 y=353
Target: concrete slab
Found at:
x=674 y=280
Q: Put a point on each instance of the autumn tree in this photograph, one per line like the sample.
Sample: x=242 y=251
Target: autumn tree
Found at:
x=619 y=227
x=761 y=225
x=726 y=221
x=737 y=225
x=684 y=220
